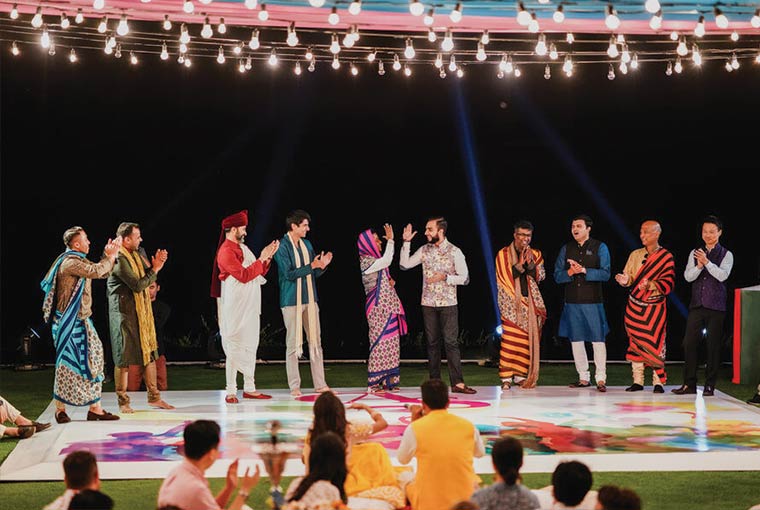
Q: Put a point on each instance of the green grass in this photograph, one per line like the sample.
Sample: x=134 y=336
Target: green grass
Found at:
x=694 y=490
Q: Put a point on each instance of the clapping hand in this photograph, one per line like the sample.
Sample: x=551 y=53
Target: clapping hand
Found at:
x=269 y=250
x=408 y=235
x=112 y=247
x=159 y=259
x=388 y=232
x=575 y=268
x=701 y=257
x=622 y=279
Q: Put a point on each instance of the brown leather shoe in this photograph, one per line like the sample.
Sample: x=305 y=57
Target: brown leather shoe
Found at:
x=62 y=417
x=601 y=387
x=708 y=391
x=39 y=427
x=684 y=390
x=106 y=416
x=463 y=389
x=25 y=431
x=580 y=384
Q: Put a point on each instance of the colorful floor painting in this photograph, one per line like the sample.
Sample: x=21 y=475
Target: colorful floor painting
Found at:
x=616 y=431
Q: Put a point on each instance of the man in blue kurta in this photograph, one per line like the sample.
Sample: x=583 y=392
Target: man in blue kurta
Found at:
x=298 y=268
x=582 y=265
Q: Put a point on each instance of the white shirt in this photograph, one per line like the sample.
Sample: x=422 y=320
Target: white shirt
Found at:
x=408 y=447
x=385 y=261
x=409 y=262
x=720 y=272
x=546 y=500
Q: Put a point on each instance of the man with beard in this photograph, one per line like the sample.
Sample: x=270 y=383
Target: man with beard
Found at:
x=443 y=268
x=68 y=303
x=133 y=331
x=236 y=283
x=519 y=269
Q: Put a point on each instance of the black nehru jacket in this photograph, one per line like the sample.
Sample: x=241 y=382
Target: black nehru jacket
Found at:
x=579 y=291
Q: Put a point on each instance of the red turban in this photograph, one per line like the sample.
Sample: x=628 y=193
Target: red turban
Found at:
x=239 y=219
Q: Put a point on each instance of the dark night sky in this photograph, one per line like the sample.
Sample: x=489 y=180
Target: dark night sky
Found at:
x=176 y=150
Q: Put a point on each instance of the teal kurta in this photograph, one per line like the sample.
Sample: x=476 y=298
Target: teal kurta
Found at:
x=122 y=312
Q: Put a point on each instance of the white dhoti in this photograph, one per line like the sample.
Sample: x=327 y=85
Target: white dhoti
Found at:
x=239 y=309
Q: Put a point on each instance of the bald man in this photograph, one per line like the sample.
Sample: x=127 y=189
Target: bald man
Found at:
x=650 y=276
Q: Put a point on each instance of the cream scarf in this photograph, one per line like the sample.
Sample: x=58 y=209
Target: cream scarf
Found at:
x=145 y=322
x=311 y=303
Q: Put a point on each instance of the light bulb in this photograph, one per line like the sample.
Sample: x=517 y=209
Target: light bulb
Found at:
x=73 y=56
x=98 y=4
x=720 y=19
x=533 y=24
x=547 y=72
x=273 y=58
x=45 y=38
x=167 y=23
x=184 y=36
x=396 y=63
x=678 y=68
x=655 y=23
x=460 y=73
x=254 y=43
x=117 y=51
x=439 y=61
x=380 y=68
x=251 y=4
x=188 y=6
x=481 y=54
x=181 y=59
x=132 y=58
x=569 y=38
x=484 y=37
x=541 y=46
x=432 y=36
x=292 y=39
x=263 y=13
x=409 y=50
x=348 y=41
x=14 y=12
x=164 y=52
x=241 y=66
x=51 y=51
x=317 y=3
x=221 y=27
x=448 y=42
x=416 y=7
x=333 y=18
x=500 y=74
x=183 y=47
x=734 y=36
x=729 y=68
x=652 y=6
x=755 y=20
x=620 y=39
x=635 y=62
x=297 y=69
x=14 y=49
x=354 y=70
x=611 y=73
x=123 y=28
x=623 y=68
x=442 y=74
x=188 y=62
x=65 y=23
x=107 y=49
x=355 y=8
x=696 y=56
x=681 y=49
x=312 y=66
x=734 y=61
x=248 y=63
x=371 y=56
x=452 y=64
x=612 y=49
x=79 y=17
x=674 y=36
x=456 y=13
x=559 y=14
x=220 y=56
x=612 y=21
x=553 y=53
x=103 y=25
x=568 y=65
x=335 y=46
x=699 y=30
x=335 y=63
x=625 y=55
x=37 y=18
x=237 y=49
x=429 y=19
x=523 y=16
x=407 y=71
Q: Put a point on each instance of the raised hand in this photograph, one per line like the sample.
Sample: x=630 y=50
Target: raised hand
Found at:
x=159 y=259
x=269 y=250
x=250 y=480
x=388 y=232
x=317 y=262
x=112 y=247
x=326 y=259
x=701 y=257
x=232 y=474
x=408 y=235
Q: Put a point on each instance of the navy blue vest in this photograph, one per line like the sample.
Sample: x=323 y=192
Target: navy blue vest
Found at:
x=706 y=290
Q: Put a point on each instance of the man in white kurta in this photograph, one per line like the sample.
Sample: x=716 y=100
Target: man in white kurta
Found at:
x=238 y=277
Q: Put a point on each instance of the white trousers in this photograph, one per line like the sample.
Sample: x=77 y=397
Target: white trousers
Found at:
x=581 y=361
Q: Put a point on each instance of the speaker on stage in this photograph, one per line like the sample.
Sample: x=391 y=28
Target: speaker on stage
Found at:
x=29 y=350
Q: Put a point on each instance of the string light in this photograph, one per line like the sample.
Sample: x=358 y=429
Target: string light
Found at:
x=559 y=14
x=220 y=56
x=438 y=61
x=335 y=63
x=547 y=72
x=103 y=25
x=429 y=18
x=442 y=74
x=699 y=29
x=678 y=68
x=728 y=66
x=79 y=17
x=183 y=47
x=248 y=63
x=432 y=36
x=238 y=49
x=188 y=62
x=111 y=41
x=117 y=51
x=541 y=45
x=612 y=49
x=652 y=6
x=98 y=4
x=133 y=58
x=355 y=8
x=523 y=16
x=65 y=23
x=312 y=66
x=570 y=38
x=720 y=19
x=655 y=23
x=354 y=70
x=755 y=20
x=456 y=13
x=635 y=62
x=623 y=68
x=681 y=49
x=669 y=68
x=674 y=36
x=409 y=52
x=734 y=36
x=625 y=55
x=484 y=37
x=380 y=68
x=734 y=61
x=611 y=73
x=333 y=18
x=533 y=24
x=37 y=18
x=188 y=7
x=335 y=46
x=14 y=12
x=254 y=43
x=73 y=56
x=695 y=55
x=448 y=42
x=273 y=58
x=51 y=51
x=460 y=73
x=371 y=56
x=396 y=63
x=241 y=66
x=292 y=39
x=568 y=65
x=317 y=3
x=221 y=27
x=481 y=54
x=611 y=20
x=407 y=70
x=184 y=35
x=263 y=13
x=452 y=63
x=14 y=49
x=45 y=38
x=297 y=69
x=348 y=40
x=107 y=49
x=164 y=52
x=416 y=7
x=167 y=24
x=123 y=28
x=251 y=4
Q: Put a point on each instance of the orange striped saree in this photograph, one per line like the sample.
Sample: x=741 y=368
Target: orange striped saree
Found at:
x=521 y=318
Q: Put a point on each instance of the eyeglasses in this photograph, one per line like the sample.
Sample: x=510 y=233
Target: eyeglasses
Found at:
x=518 y=234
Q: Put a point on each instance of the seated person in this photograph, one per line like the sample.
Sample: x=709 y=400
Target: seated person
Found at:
x=90 y=499
x=324 y=483
x=24 y=427
x=80 y=472
x=444 y=445
x=186 y=486
x=507 y=493
x=615 y=498
x=571 y=482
